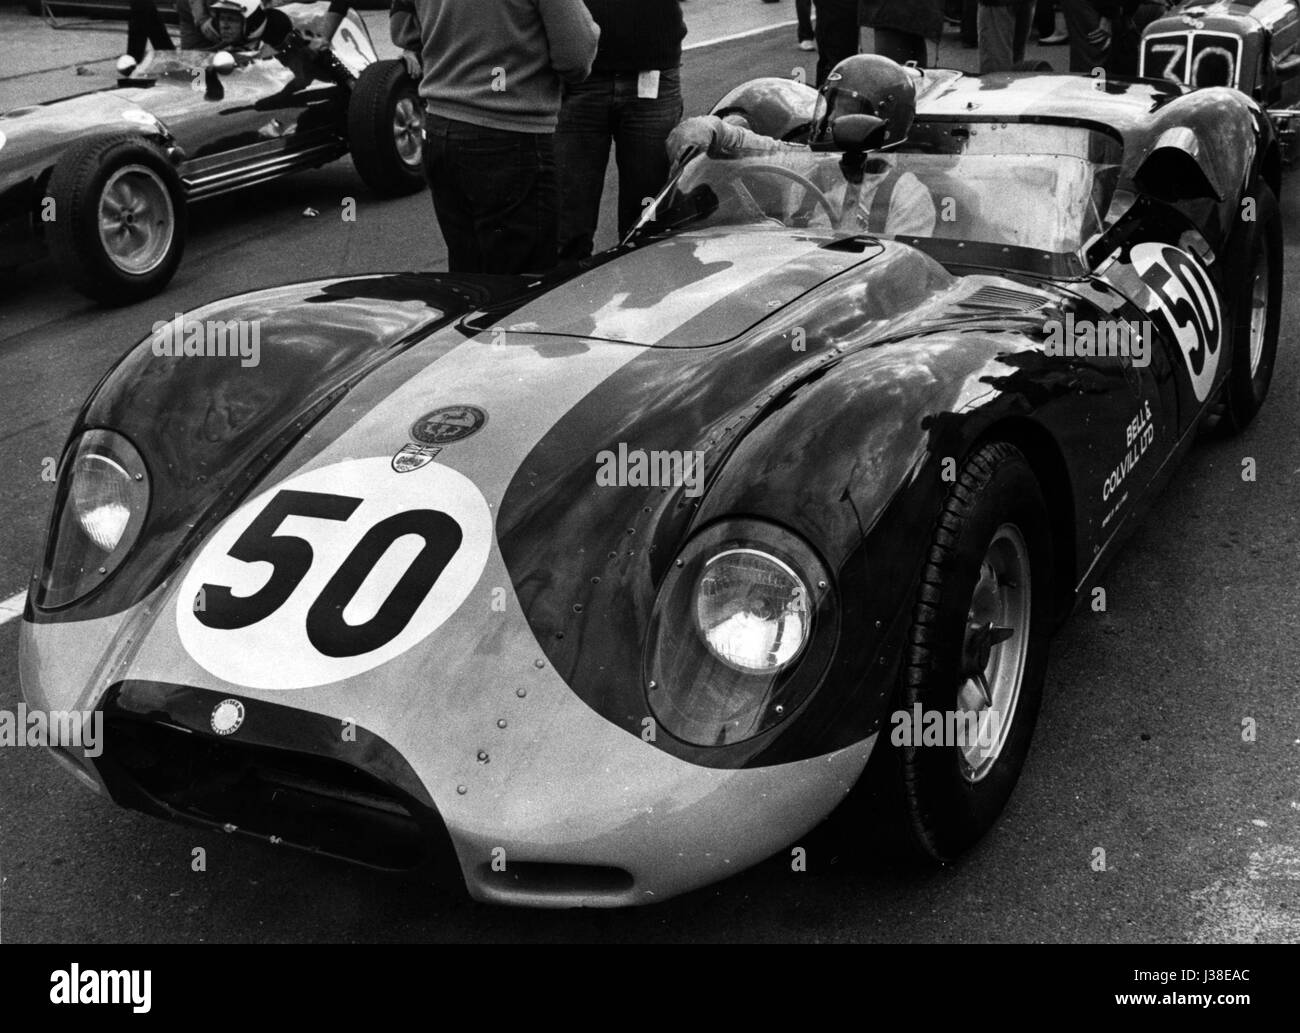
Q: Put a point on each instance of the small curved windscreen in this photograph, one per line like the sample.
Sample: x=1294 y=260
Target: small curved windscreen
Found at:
x=970 y=183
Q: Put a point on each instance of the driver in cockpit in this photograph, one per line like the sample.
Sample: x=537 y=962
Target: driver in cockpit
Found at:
x=240 y=25
x=878 y=196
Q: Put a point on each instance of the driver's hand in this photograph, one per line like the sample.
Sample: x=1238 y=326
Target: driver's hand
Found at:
x=693 y=134
x=413 y=68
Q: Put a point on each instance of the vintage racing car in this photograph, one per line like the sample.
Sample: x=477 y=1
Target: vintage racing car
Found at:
x=103 y=179
x=598 y=587
x=1253 y=46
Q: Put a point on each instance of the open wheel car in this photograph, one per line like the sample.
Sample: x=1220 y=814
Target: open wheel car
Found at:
x=102 y=180
x=598 y=587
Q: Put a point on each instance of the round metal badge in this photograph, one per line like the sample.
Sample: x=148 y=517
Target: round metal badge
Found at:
x=448 y=424
x=227 y=716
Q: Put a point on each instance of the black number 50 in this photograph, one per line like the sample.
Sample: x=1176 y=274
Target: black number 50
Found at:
x=291 y=558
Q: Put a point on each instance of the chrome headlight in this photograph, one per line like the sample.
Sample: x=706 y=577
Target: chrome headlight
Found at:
x=752 y=610
x=742 y=631
x=101 y=505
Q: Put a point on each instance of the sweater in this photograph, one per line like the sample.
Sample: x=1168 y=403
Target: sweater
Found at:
x=499 y=64
x=638 y=35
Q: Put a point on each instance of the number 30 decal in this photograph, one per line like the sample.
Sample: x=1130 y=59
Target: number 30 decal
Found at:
x=1190 y=304
x=333 y=573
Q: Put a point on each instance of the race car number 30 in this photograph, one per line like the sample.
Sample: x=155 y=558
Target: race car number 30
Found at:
x=332 y=573
x=1188 y=300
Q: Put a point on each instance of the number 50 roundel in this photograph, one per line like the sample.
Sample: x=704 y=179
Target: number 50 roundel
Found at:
x=332 y=573
x=1189 y=302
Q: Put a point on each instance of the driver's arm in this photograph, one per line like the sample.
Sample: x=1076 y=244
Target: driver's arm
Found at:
x=721 y=139
x=911 y=209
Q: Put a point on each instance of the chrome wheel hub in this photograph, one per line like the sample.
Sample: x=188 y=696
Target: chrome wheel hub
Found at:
x=994 y=652
x=1258 y=313
x=136 y=219
x=408 y=125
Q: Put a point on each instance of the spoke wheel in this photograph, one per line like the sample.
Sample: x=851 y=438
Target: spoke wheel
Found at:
x=137 y=219
x=994 y=650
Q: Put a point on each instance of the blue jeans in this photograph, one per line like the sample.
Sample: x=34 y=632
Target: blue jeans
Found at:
x=602 y=110
x=495 y=196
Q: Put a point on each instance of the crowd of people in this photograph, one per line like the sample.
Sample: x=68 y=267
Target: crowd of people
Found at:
x=524 y=99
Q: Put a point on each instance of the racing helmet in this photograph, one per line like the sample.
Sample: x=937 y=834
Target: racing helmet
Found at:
x=251 y=12
x=780 y=108
x=866 y=84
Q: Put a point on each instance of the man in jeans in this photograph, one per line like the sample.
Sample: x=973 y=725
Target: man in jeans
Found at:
x=632 y=97
x=492 y=74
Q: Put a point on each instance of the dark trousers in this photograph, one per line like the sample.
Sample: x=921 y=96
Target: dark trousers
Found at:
x=145 y=25
x=803 y=11
x=603 y=110
x=837 y=34
x=495 y=196
x=1045 y=18
x=1004 y=32
x=901 y=46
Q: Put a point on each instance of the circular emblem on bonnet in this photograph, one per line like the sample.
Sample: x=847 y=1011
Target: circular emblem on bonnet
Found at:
x=448 y=424
x=227 y=716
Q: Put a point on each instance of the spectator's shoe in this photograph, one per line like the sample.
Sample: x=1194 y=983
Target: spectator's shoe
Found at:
x=126 y=64
x=1055 y=39
x=807 y=44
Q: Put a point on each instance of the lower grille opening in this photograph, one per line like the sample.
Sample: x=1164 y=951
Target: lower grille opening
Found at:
x=549 y=878
x=302 y=800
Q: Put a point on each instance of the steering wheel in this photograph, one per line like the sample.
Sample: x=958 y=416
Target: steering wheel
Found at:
x=781 y=172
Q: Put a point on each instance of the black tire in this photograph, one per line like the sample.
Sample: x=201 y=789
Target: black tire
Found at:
x=384 y=93
x=33 y=7
x=924 y=807
x=1261 y=242
x=78 y=188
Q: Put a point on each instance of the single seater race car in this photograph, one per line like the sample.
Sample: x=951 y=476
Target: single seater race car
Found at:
x=1253 y=46
x=600 y=586
x=102 y=180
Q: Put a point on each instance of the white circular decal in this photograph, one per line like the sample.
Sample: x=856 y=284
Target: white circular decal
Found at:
x=332 y=573
x=1189 y=302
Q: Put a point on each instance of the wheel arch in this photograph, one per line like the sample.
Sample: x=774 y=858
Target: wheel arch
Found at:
x=1046 y=459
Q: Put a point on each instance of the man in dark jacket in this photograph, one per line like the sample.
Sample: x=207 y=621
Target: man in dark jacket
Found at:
x=632 y=98
x=903 y=26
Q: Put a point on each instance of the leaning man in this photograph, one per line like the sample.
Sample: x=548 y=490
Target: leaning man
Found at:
x=492 y=72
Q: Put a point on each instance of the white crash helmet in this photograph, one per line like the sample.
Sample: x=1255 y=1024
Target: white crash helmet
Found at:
x=253 y=12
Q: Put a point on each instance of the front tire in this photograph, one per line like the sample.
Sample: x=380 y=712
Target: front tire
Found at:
x=977 y=646
x=385 y=129
x=1255 y=313
x=119 y=218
